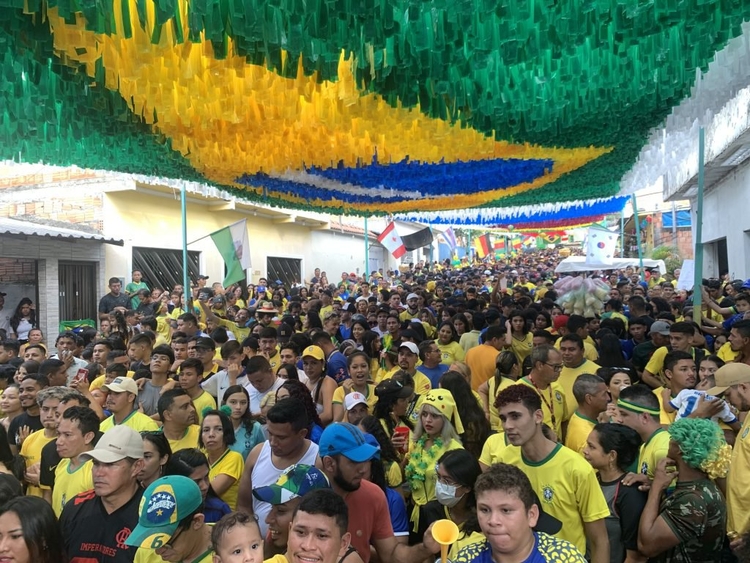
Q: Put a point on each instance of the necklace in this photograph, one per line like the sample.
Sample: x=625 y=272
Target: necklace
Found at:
x=421 y=458
x=548 y=403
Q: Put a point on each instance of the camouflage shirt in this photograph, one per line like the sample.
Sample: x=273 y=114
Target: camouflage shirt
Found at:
x=697 y=514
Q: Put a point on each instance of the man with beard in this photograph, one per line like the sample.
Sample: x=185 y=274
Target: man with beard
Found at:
x=408 y=354
x=29 y=419
x=345 y=457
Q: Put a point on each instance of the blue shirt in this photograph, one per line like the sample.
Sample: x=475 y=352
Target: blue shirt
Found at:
x=246 y=440
x=397 y=510
x=434 y=374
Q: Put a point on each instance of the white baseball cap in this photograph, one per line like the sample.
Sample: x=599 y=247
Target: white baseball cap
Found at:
x=353 y=399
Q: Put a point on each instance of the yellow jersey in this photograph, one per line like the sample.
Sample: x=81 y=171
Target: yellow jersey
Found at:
x=230 y=463
x=31 y=452
x=135 y=420
x=493 y=449
x=567 y=487
x=203 y=402
x=492 y=391
x=568 y=377
x=579 y=428
x=70 y=483
x=451 y=352
x=653 y=451
x=738 y=494
x=188 y=440
x=372 y=398
x=726 y=353
x=665 y=418
x=421 y=381
x=554 y=405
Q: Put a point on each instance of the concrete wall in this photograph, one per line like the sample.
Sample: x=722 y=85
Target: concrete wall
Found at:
x=725 y=215
x=49 y=252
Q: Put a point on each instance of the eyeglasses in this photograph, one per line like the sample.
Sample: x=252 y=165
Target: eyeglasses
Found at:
x=556 y=367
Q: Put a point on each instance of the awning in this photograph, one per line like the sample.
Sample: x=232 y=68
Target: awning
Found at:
x=16 y=228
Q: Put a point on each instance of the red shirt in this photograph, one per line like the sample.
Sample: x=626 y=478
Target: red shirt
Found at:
x=369 y=518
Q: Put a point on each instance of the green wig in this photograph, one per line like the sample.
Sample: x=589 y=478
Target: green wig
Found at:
x=702 y=445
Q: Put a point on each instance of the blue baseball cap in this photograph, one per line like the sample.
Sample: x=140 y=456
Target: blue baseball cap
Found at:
x=347 y=440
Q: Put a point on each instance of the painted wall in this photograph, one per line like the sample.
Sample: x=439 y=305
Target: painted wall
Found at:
x=153 y=221
x=725 y=215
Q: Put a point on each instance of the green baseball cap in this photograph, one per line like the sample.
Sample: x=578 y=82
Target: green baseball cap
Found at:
x=164 y=504
x=295 y=482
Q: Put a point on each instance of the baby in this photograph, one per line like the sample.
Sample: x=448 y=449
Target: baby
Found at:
x=687 y=399
x=236 y=538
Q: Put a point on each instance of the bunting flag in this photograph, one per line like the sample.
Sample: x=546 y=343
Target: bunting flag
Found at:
x=234 y=247
x=516 y=243
x=357 y=107
x=390 y=239
x=482 y=246
x=420 y=239
x=499 y=247
x=450 y=238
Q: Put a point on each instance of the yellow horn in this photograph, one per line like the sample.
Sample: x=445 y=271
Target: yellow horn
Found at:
x=445 y=533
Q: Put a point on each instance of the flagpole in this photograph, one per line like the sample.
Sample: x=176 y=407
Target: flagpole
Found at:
x=367 y=252
x=698 y=266
x=187 y=291
x=638 y=236
x=622 y=233
x=216 y=231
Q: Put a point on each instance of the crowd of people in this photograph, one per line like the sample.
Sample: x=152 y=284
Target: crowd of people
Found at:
x=339 y=422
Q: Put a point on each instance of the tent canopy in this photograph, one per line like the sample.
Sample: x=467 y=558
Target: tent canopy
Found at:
x=579 y=264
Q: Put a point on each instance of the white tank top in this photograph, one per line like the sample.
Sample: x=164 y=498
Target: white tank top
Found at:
x=266 y=473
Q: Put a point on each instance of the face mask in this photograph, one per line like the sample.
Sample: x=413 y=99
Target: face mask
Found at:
x=446 y=494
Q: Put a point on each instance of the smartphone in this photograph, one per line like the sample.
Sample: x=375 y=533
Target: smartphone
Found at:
x=81 y=374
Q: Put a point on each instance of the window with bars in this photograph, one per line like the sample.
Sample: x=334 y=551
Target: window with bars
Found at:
x=163 y=267
x=288 y=270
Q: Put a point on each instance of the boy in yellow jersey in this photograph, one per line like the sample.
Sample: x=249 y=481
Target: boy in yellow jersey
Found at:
x=592 y=395
x=191 y=375
x=31 y=449
x=639 y=410
x=73 y=476
x=547 y=364
x=121 y=402
x=733 y=380
x=563 y=480
x=178 y=416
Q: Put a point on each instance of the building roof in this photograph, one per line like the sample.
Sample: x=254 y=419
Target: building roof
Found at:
x=15 y=227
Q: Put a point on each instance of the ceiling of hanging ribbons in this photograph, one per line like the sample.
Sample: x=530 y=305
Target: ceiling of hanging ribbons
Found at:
x=355 y=107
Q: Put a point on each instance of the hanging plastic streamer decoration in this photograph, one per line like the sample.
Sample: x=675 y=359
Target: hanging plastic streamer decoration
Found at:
x=359 y=107
x=544 y=216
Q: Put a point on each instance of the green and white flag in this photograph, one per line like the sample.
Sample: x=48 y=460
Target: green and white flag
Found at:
x=234 y=247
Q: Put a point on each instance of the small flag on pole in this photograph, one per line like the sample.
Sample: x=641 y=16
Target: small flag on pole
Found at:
x=600 y=248
x=499 y=246
x=234 y=247
x=450 y=238
x=392 y=241
x=482 y=245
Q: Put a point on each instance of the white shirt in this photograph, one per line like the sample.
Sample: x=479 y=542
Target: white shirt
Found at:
x=256 y=397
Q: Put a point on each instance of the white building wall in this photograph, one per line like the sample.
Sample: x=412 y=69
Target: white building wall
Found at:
x=725 y=214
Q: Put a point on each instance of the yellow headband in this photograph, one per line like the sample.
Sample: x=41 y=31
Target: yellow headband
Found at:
x=632 y=407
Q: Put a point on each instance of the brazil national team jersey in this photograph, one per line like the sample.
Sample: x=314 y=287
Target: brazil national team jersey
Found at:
x=546 y=550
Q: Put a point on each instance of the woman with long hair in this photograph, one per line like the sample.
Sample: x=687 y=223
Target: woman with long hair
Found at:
x=193 y=464
x=30 y=533
x=389 y=457
x=392 y=409
x=23 y=320
x=476 y=427
x=225 y=466
x=429 y=322
x=708 y=366
x=610 y=351
x=10 y=404
x=298 y=390
x=456 y=473
x=436 y=432
x=359 y=376
x=518 y=338
x=156 y=454
x=543 y=321
x=247 y=431
x=359 y=329
x=611 y=449
x=288 y=371
x=320 y=385
x=507 y=372
x=460 y=323
x=372 y=345
x=616 y=379
x=447 y=342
